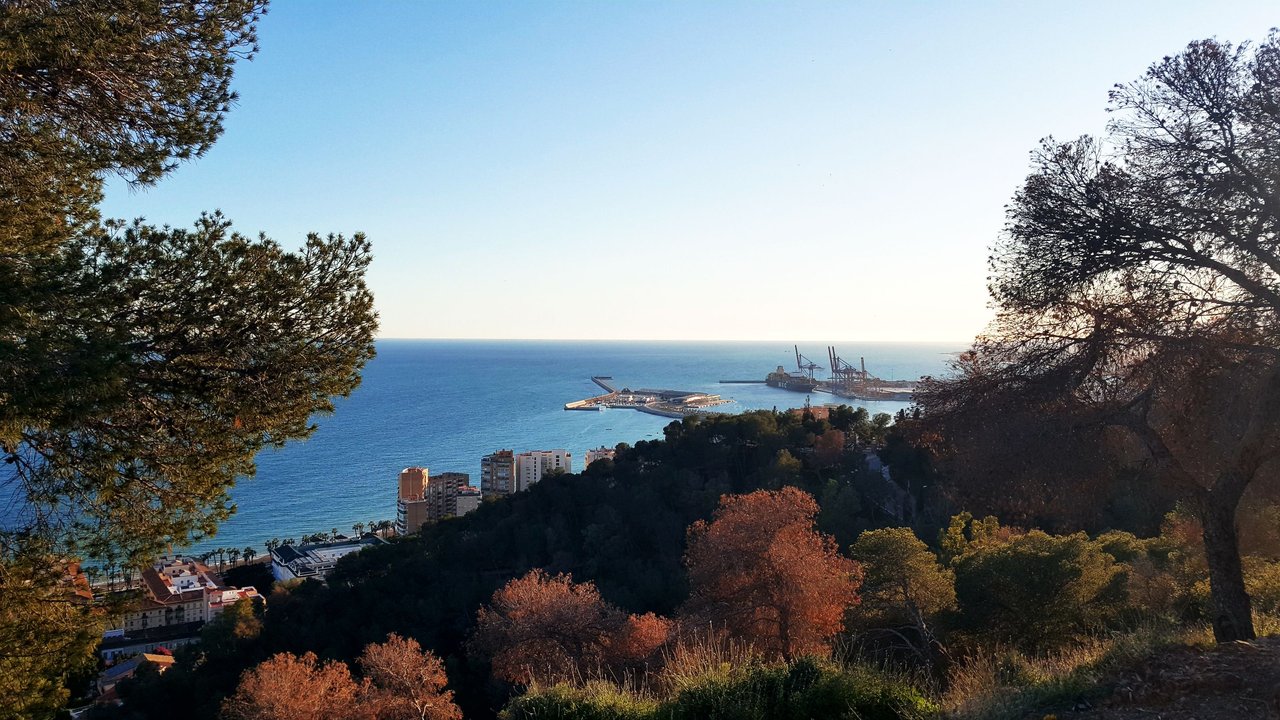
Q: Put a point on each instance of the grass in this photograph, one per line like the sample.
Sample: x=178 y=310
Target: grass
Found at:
x=705 y=688
x=1004 y=684
x=714 y=679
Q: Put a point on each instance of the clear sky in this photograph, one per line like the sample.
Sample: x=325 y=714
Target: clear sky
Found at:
x=668 y=170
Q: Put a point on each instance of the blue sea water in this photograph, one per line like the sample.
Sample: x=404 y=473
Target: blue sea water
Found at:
x=445 y=403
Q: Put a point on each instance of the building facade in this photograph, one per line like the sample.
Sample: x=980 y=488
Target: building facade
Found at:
x=412 y=510
x=468 y=500
x=174 y=592
x=498 y=474
x=315 y=560
x=425 y=499
x=600 y=453
x=442 y=494
x=534 y=465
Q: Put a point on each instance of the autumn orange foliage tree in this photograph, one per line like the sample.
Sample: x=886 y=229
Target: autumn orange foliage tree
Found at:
x=288 y=687
x=640 y=638
x=543 y=628
x=408 y=683
x=760 y=572
x=401 y=682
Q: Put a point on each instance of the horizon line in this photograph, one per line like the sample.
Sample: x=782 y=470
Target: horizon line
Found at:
x=681 y=340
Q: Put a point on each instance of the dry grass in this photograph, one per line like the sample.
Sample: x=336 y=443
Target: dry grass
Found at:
x=695 y=657
x=1001 y=684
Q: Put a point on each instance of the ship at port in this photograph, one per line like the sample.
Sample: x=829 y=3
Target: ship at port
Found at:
x=801 y=381
x=847 y=380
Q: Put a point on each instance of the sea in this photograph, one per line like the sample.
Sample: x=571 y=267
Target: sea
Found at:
x=443 y=404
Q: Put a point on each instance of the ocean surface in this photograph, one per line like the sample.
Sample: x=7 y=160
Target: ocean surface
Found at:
x=445 y=403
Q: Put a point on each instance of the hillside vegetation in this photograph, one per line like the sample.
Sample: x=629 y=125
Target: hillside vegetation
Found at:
x=968 y=616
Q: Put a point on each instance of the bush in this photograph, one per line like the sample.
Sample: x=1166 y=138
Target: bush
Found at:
x=903 y=583
x=1262 y=580
x=807 y=688
x=1038 y=591
x=598 y=700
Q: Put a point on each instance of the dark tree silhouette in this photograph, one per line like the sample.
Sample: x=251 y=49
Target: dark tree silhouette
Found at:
x=1138 y=287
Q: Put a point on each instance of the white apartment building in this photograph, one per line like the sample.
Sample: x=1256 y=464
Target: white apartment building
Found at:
x=600 y=453
x=533 y=465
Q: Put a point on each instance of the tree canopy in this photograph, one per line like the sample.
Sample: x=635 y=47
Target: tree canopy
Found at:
x=1138 y=291
x=141 y=367
x=760 y=572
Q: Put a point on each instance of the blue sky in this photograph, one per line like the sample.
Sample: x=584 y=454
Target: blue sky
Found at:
x=667 y=170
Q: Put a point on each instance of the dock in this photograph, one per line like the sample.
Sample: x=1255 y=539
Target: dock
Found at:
x=666 y=403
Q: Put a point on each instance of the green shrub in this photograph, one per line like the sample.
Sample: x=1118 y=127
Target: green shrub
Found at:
x=903 y=582
x=807 y=688
x=803 y=690
x=1123 y=546
x=1262 y=580
x=595 y=701
x=1038 y=591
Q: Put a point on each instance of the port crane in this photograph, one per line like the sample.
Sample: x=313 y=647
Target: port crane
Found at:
x=804 y=364
x=844 y=375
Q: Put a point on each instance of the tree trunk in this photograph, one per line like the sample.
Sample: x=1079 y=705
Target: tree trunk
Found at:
x=1232 y=612
x=784 y=633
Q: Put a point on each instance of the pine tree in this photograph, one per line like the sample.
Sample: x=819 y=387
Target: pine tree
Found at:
x=141 y=367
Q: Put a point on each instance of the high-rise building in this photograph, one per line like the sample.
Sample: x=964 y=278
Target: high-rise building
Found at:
x=498 y=474
x=600 y=453
x=442 y=494
x=425 y=499
x=412 y=508
x=413 y=483
x=532 y=466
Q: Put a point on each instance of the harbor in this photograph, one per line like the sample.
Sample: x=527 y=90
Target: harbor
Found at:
x=666 y=403
x=846 y=380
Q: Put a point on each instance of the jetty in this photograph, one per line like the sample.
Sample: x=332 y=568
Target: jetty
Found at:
x=666 y=403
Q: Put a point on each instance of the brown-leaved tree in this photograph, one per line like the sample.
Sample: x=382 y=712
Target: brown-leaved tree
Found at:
x=547 y=629
x=544 y=628
x=760 y=572
x=408 y=682
x=289 y=687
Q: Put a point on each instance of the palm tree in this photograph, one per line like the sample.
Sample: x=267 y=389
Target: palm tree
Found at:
x=386 y=526
x=334 y=533
x=272 y=544
x=358 y=529
x=289 y=541
x=234 y=553
x=222 y=556
x=249 y=554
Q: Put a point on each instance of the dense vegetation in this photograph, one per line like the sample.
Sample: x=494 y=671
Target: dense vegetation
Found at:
x=936 y=598
x=621 y=525
x=141 y=368
x=1120 y=418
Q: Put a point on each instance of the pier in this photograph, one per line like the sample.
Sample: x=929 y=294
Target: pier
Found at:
x=666 y=403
